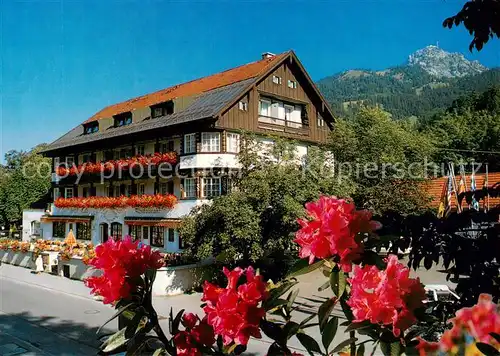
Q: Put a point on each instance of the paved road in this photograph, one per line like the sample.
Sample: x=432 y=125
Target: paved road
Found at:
x=56 y=316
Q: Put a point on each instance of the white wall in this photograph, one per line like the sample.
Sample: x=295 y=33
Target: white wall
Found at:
x=30 y=215
x=209 y=160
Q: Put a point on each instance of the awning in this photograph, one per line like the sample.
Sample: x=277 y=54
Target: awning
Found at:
x=139 y=221
x=62 y=218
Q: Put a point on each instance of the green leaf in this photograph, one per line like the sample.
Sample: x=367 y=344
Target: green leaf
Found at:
x=324 y=286
x=115 y=341
x=308 y=342
x=324 y=312
x=291 y=298
x=278 y=291
x=338 y=282
x=151 y=275
x=343 y=344
x=374 y=259
x=486 y=349
x=308 y=319
x=273 y=304
x=177 y=321
x=303 y=267
x=120 y=311
x=160 y=352
x=290 y=329
x=346 y=309
x=132 y=326
x=360 y=350
x=359 y=325
x=329 y=332
x=272 y=330
x=390 y=349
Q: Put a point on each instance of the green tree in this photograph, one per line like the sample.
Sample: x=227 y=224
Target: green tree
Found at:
x=24 y=180
x=258 y=218
x=385 y=158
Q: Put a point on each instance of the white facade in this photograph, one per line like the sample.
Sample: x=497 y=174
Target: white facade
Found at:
x=31 y=223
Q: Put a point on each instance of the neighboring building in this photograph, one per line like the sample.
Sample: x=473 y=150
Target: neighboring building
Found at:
x=201 y=122
x=32 y=224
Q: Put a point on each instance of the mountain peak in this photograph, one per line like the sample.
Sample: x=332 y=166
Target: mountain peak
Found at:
x=439 y=63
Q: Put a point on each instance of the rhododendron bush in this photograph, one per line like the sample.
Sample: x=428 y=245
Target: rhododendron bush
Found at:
x=378 y=297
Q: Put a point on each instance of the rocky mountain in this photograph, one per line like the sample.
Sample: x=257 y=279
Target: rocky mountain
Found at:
x=440 y=63
x=429 y=82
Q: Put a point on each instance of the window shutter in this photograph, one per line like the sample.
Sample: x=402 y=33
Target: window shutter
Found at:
x=93 y=191
x=75 y=190
x=170 y=146
x=93 y=157
x=157 y=147
x=122 y=189
x=133 y=188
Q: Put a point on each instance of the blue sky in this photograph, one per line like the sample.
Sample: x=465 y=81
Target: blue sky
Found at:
x=64 y=60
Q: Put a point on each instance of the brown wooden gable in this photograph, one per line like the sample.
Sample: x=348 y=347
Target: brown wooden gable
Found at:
x=305 y=93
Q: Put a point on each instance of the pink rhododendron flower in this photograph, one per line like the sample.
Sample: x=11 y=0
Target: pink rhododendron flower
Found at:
x=120 y=261
x=234 y=311
x=385 y=297
x=332 y=229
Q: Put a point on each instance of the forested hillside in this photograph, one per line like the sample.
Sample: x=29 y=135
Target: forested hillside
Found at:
x=418 y=89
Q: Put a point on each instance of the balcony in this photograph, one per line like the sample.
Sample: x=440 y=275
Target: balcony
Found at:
x=166 y=160
x=209 y=160
x=270 y=123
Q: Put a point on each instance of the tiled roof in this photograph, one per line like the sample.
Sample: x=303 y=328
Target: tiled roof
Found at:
x=205 y=105
x=191 y=88
x=435 y=188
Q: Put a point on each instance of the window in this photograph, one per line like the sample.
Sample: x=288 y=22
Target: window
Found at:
x=123 y=119
x=292 y=84
x=91 y=128
x=127 y=190
x=157 y=236
x=116 y=230
x=157 y=112
x=86 y=157
x=288 y=112
x=139 y=150
x=58 y=229
x=70 y=160
x=210 y=142
x=190 y=143
x=232 y=142
x=211 y=187
x=57 y=193
x=135 y=232
x=167 y=147
x=320 y=120
x=276 y=79
x=145 y=233
x=57 y=162
x=189 y=187
x=243 y=105
x=141 y=189
x=68 y=192
x=265 y=107
x=117 y=191
x=167 y=188
x=109 y=191
x=83 y=231
x=171 y=235
x=85 y=192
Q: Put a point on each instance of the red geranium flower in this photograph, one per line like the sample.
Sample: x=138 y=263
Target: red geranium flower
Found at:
x=120 y=261
x=234 y=312
x=385 y=297
x=143 y=201
x=332 y=229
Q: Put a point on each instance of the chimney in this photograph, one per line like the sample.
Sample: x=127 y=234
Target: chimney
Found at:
x=267 y=55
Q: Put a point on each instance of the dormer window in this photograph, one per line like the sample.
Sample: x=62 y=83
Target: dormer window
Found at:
x=162 y=109
x=91 y=128
x=123 y=119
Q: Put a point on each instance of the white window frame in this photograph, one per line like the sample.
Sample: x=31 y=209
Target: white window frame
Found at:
x=189 y=189
x=232 y=142
x=208 y=187
x=70 y=161
x=269 y=103
x=190 y=143
x=320 y=121
x=139 y=150
x=66 y=190
x=291 y=108
x=141 y=189
x=210 y=142
x=292 y=84
x=276 y=79
x=243 y=106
